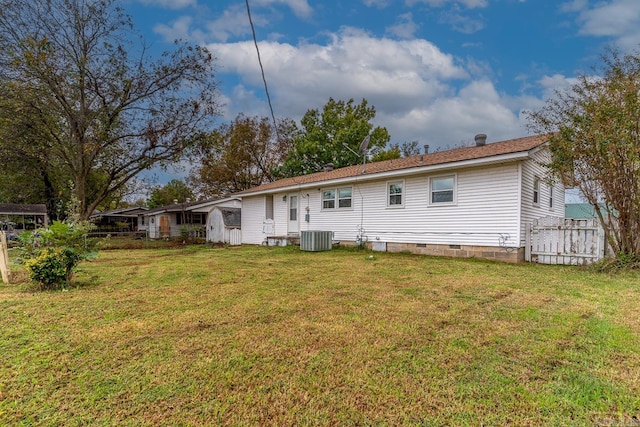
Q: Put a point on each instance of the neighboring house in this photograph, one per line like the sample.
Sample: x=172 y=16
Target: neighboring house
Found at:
x=223 y=225
x=23 y=216
x=181 y=218
x=119 y=220
x=469 y=202
x=581 y=210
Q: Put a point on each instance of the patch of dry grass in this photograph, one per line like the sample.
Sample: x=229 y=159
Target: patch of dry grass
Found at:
x=275 y=336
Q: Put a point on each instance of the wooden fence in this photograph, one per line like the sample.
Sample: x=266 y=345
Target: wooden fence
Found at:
x=565 y=241
x=4 y=258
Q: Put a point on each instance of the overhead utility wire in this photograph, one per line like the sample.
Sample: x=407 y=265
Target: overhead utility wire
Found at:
x=264 y=79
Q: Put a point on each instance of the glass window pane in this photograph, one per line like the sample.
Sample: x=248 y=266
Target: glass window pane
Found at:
x=442 y=197
x=344 y=193
x=438 y=184
x=344 y=197
x=395 y=188
x=328 y=199
x=395 y=199
x=344 y=203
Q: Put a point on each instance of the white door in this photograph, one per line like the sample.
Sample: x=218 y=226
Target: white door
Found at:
x=293 y=215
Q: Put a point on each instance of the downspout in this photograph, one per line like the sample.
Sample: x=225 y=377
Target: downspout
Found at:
x=521 y=223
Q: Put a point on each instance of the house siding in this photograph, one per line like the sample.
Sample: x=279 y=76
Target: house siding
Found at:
x=253 y=215
x=486 y=210
x=530 y=171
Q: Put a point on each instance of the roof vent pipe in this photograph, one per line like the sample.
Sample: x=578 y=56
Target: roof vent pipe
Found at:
x=481 y=139
x=328 y=167
x=426 y=148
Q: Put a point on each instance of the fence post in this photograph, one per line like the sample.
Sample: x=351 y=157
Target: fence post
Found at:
x=527 y=239
x=4 y=258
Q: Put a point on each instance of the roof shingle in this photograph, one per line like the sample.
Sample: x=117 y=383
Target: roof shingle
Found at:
x=442 y=157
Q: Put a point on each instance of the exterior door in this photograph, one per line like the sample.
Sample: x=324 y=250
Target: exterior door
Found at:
x=293 y=215
x=165 y=226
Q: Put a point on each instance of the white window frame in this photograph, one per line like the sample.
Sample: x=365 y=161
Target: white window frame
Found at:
x=550 y=197
x=454 y=190
x=536 y=191
x=331 y=200
x=402 y=194
x=340 y=199
x=335 y=201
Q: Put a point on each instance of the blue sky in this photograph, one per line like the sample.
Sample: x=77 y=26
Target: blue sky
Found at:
x=437 y=71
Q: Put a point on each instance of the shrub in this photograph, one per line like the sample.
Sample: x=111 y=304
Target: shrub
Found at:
x=48 y=269
x=51 y=255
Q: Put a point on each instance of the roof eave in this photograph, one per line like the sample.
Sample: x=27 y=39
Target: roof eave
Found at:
x=442 y=167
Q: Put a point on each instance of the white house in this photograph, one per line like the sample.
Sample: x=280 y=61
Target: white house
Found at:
x=179 y=218
x=469 y=202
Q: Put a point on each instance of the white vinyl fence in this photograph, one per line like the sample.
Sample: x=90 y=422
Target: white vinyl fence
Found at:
x=235 y=237
x=565 y=241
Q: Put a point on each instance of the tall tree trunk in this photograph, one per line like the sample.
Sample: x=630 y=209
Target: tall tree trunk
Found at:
x=49 y=195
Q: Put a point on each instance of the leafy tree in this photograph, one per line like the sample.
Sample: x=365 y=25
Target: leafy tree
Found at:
x=241 y=154
x=594 y=136
x=409 y=149
x=396 y=151
x=392 y=153
x=176 y=189
x=28 y=171
x=334 y=136
x=93 y=104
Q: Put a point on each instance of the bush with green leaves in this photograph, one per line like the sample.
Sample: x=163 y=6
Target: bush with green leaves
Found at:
x=52 y=254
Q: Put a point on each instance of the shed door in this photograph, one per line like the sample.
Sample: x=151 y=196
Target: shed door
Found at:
x=293 y=215
x=165 y=226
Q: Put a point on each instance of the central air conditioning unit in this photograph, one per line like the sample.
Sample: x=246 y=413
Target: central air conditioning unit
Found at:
x=315 y=241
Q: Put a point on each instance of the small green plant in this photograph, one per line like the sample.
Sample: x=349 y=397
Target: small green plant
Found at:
x=51 y=255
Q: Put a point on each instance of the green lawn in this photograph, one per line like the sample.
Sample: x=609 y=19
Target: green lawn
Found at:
x=275 y=336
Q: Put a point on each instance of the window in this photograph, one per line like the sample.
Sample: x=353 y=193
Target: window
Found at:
x=551 y=197
x=394 y=192
x=344 y=197
x=442 y=190
x=536 y=191
x=328 y=199
x=341 y=197
x=293 y=208
x=268 y=207
x=190 y=218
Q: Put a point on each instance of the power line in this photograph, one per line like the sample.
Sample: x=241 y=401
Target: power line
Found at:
x=264 y=79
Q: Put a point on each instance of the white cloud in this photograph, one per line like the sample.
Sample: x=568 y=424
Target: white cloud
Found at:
x=574 y=6
x=617 y=19
x=452 y=121
x=171 y=4
x=234 y=22
x=179 y=29
x=471 y=4
x=405 y=28
x=377 y=3
x=461 y=23
x=413 y=85
x=299 y=7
